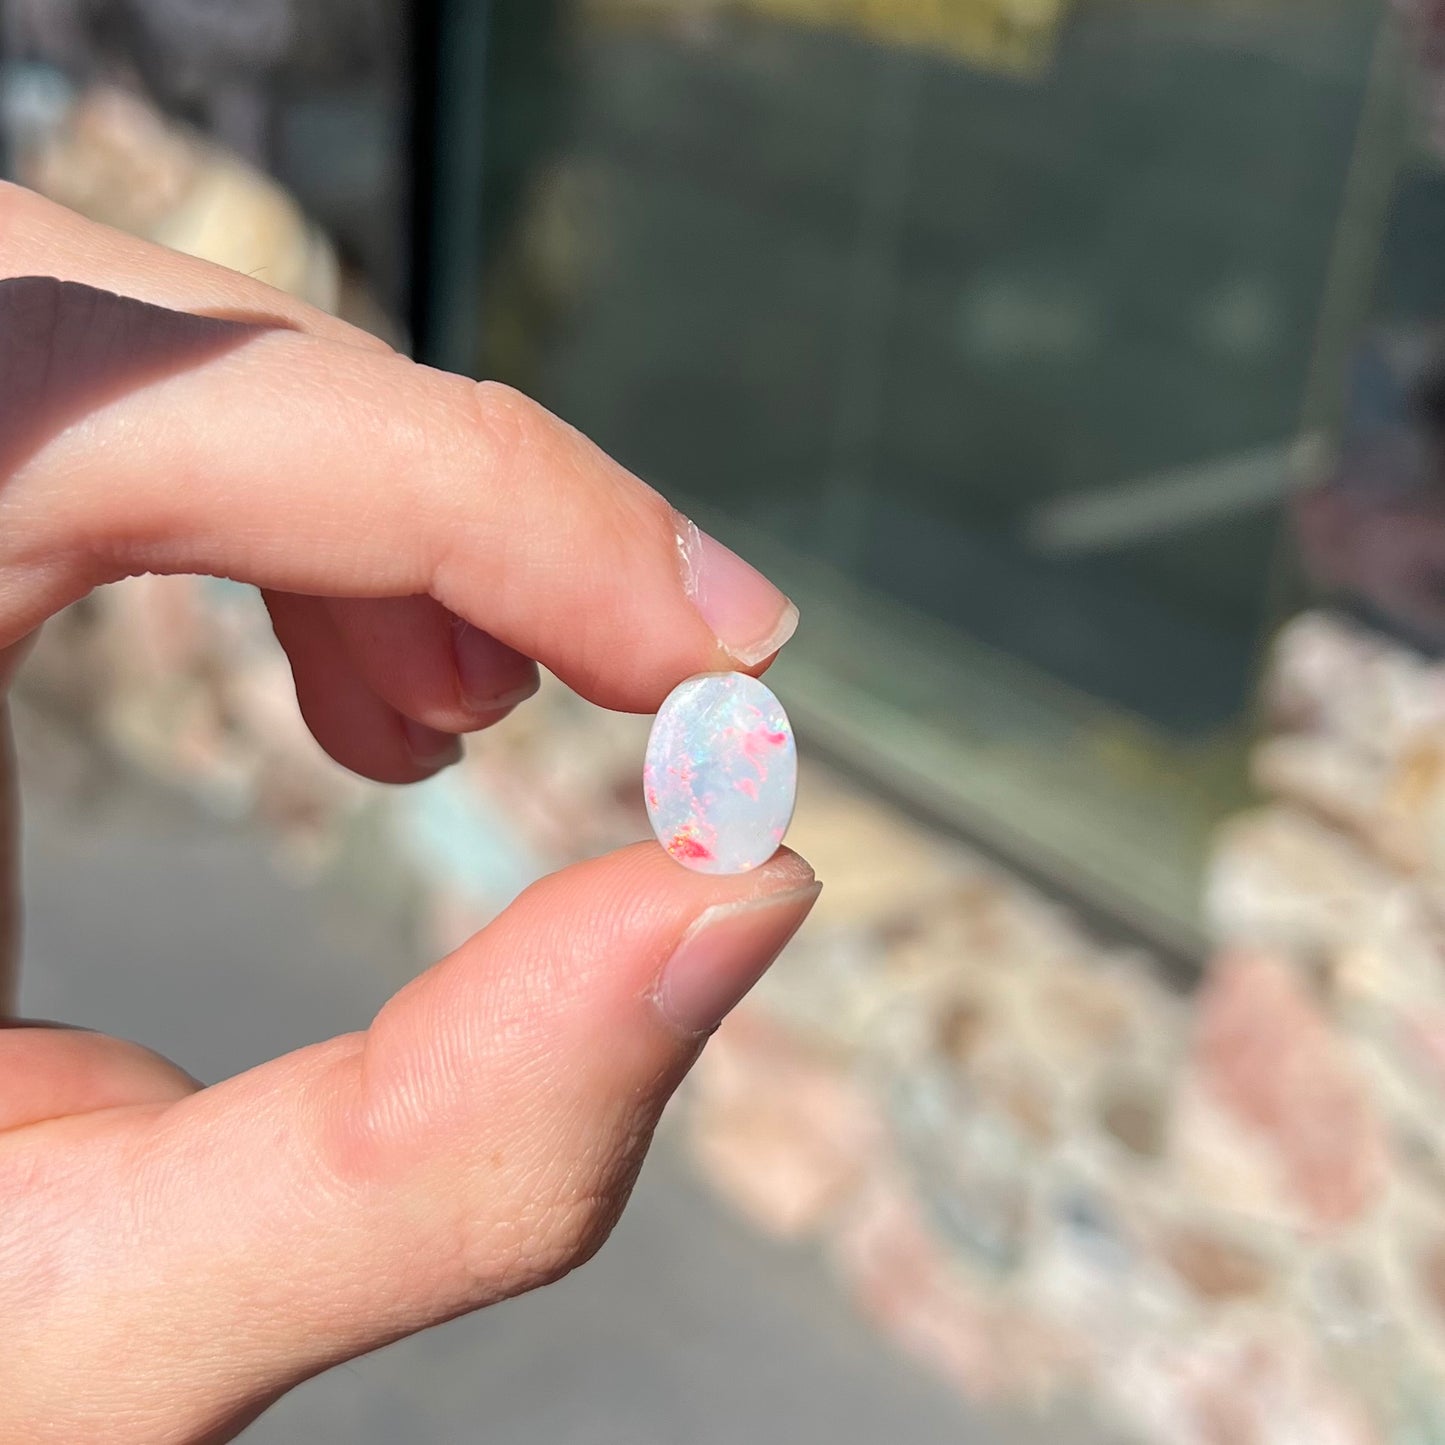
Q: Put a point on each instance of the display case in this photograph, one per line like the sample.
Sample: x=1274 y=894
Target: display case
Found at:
x=1002 y=333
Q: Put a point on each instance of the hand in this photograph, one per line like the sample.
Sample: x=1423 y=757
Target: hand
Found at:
x=173 y=1258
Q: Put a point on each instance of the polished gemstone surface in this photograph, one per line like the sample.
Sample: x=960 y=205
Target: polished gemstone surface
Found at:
x=721 y=773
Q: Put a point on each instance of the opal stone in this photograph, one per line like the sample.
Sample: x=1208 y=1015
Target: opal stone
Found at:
x=721 y=773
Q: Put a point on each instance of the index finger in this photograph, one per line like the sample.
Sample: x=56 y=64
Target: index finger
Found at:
x=9 y=867
x=280 y=451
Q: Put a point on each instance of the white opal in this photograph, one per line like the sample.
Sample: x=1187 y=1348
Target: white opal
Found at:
x=721 y=774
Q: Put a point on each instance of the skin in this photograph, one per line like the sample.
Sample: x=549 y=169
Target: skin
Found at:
x=480 y=1139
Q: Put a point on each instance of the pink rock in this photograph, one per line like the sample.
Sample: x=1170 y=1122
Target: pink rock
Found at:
x=780 y=1129
x=1269 y=1058
x=988 y=1347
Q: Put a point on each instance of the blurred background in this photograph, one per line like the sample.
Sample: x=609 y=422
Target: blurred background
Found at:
x=1079 y=368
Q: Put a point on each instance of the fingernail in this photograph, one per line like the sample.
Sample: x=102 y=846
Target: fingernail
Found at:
x=747 y=614
x=481 y=660
x=725 y=952
x=430 y=749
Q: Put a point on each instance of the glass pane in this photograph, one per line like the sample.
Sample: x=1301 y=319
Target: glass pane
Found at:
x=991 y=326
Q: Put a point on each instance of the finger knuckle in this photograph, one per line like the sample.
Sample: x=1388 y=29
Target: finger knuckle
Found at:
x=16 y=204
x=576 y=1229
x=498 y=1227
x=538 y=1245
x=556 y=1223
x=506 y=423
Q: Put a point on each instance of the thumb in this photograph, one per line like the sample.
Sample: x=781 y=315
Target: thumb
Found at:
x=478 y=1141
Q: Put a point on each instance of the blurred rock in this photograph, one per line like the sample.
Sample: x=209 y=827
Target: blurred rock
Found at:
x=1269 y=1058
x=781 y=1131
x=1213 y=1266
x=110 y=155
x=1133 y=1109
x=1238 y=1387
x=114 y=158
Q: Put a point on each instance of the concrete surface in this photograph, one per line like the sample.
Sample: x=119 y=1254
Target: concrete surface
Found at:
x=149 y=923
